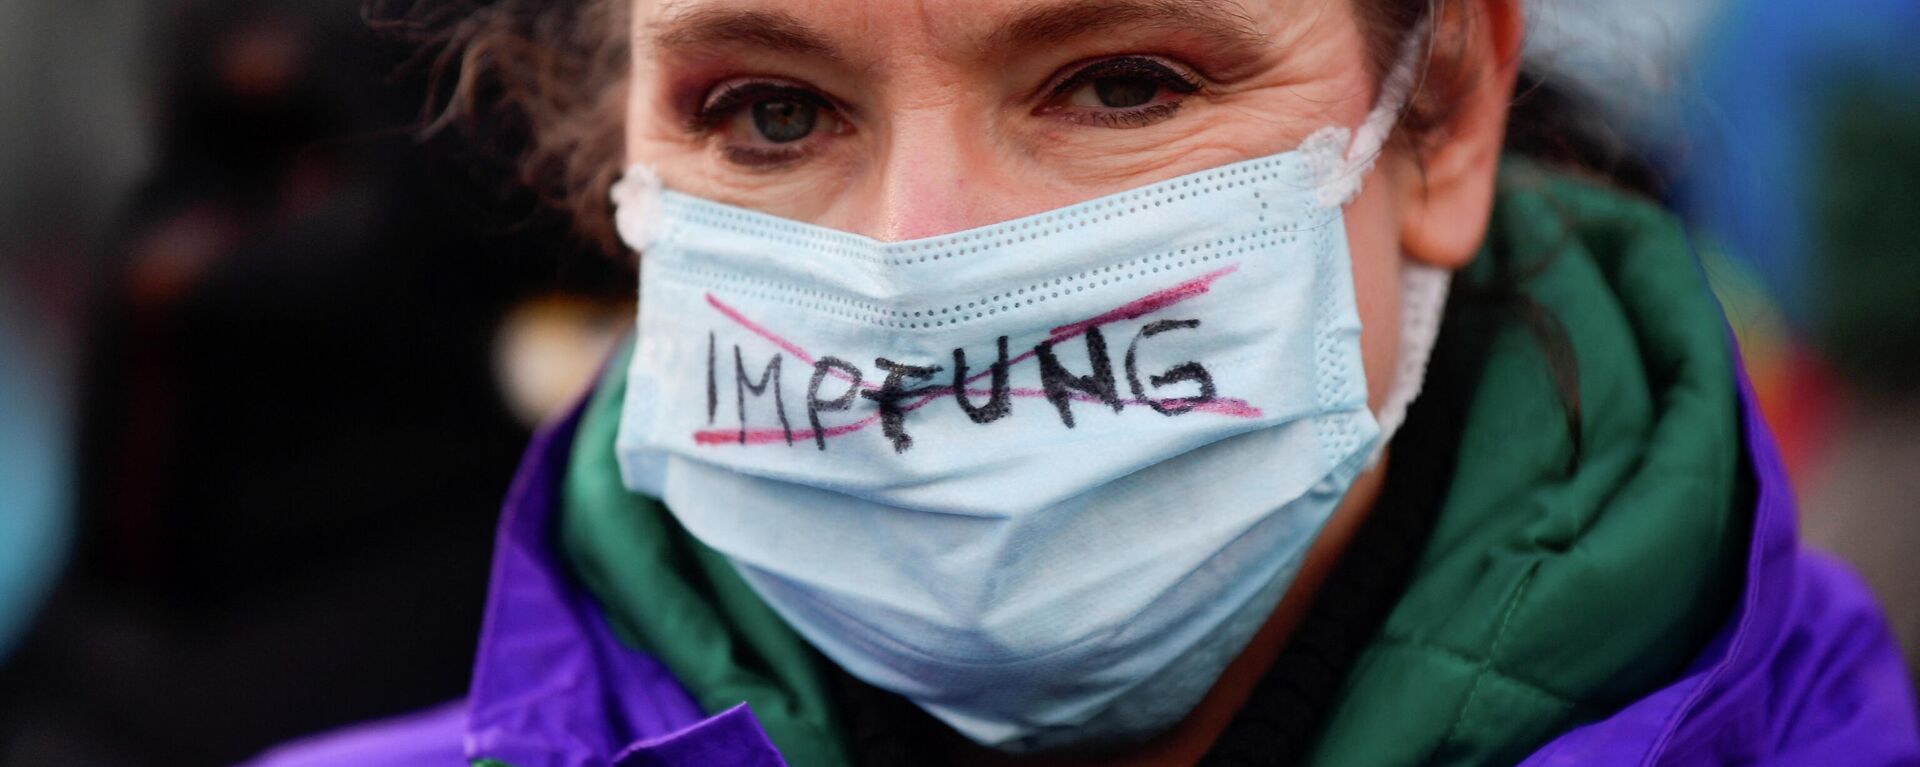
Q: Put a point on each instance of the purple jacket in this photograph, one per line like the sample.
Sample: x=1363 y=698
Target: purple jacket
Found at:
x=1803 y=673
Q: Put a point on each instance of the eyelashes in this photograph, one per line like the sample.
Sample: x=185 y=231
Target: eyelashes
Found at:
x=1131 y=118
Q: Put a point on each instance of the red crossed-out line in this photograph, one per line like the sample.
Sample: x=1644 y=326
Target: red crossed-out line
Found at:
x=1135 y=309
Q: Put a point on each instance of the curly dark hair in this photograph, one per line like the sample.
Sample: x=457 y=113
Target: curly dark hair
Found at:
x=537 y=85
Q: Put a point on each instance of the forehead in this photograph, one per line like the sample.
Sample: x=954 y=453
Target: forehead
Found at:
x=875 y=29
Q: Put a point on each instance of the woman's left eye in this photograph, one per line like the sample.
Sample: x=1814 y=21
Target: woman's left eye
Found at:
x=1122 y=92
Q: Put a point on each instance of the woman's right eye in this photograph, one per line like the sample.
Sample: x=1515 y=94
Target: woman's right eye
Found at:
x=764 y=124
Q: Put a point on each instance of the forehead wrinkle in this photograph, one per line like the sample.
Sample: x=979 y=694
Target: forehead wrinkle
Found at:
x=715 y=27
x=1225 y=21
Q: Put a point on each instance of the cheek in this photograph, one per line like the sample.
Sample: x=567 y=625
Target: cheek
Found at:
x=1373 y=238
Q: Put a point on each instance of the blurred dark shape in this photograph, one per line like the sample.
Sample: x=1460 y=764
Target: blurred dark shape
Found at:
x=1753 y=143
x=1867 y=213
x=1866 y=315
x=35 y=515
x=293 y=448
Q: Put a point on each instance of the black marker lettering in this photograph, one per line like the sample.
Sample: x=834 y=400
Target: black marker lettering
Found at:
x=1186 y=371
x=768 y=377
x=816 y=406
x=893 y=419
x=1059 y=384
x=713 y=383
x=999 y=404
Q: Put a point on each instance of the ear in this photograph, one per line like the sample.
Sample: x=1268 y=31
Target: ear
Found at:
x=1447 y=198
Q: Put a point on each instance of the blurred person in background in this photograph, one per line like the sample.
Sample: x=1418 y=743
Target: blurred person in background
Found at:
x=1453 y=462
x=35 y=518
x=1787 y=132
x=292 y=435
x=1802 y=163
x=56 y=198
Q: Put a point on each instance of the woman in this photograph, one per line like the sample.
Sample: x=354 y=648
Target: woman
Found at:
x=1131 y=382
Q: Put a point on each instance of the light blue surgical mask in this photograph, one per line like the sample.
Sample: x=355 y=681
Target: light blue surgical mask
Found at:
x=1044 y=478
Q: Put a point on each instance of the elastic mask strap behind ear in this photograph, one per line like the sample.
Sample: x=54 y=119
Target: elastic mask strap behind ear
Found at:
x=1423 y=303
x=1423 y=288
x=1344 y=158
x=636 y=206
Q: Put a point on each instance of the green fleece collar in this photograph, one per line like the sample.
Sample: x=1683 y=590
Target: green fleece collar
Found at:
x=1553 y=592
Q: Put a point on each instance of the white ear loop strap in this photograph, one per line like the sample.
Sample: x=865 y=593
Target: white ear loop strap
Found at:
x=636 y=205
x=1423 y=288
x=1346 y=157
x=1423 y=303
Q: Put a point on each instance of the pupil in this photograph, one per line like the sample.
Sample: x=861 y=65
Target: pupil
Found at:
x=1119 y=92
x=784 y=120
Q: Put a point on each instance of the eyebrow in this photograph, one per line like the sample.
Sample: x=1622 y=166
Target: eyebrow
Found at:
x=774 y=31
x=1223 y=22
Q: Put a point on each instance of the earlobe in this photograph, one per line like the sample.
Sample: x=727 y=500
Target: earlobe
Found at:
x=1446 y=198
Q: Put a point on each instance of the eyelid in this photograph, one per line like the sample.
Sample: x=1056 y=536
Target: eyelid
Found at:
x=764 y=159
x=1137 y=117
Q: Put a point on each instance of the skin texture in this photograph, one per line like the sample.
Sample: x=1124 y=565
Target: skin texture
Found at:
x=936 y=116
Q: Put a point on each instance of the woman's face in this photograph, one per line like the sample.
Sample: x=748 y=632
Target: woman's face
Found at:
x=912 y=118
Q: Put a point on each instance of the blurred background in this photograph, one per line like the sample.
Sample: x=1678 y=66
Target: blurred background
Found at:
x=267 y=359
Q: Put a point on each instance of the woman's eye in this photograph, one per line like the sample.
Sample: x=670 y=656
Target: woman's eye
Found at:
x=761 y=123
x=1122 y=92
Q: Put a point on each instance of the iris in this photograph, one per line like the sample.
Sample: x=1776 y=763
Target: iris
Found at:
x=783 y=121
x=1122 y=92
